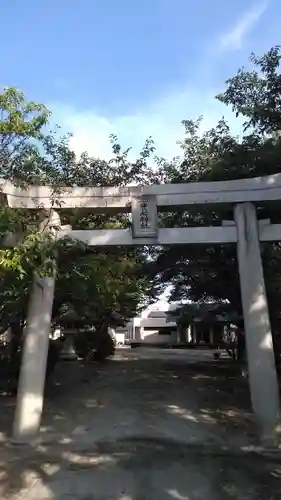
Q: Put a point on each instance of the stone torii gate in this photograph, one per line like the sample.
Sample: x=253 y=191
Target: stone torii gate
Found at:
x=144 y=202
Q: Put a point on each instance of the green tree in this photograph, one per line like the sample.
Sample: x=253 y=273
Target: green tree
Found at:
x=210 y=272
x=256 y=94
x=22 y=125
x=103 y=289
x=98 y=282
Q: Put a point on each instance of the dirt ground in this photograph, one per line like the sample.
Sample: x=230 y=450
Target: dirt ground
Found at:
x=150 y=424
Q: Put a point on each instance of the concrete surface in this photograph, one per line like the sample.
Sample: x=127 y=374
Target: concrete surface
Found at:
x=150 y=425
x=114 y=198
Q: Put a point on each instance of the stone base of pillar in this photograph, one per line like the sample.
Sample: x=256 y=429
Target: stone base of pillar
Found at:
x=68 y=351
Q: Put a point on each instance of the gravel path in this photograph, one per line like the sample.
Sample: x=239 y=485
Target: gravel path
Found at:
x=148 y=425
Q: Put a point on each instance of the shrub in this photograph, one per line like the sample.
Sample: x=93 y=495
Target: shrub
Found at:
x=10 y=365
x=105 y=349
x=94 y=345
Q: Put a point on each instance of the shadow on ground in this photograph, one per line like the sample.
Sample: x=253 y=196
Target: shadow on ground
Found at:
x=141 y=469
x=140 y=428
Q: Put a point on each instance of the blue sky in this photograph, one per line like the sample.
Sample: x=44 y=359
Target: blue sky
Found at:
x=132 y=67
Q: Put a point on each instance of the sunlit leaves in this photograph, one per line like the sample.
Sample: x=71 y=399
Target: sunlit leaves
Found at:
x=93 y=283
x=202 y=273
x=256 y=94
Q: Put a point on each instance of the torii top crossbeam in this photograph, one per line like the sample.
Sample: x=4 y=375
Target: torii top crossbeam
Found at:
x=144 y=201
x=105 y=199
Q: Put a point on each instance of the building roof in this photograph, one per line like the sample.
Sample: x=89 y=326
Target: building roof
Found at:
x=204 y=311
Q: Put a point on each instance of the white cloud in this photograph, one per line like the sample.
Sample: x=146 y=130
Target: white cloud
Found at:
x=160 y=119
x=233 y=39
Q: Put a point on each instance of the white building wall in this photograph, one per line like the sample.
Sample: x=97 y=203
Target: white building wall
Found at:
x=146 y=329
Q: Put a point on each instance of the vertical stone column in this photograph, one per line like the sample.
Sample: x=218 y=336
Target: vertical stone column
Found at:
x=31 y=385
x=195 y=336
x=137 y=332
x=188 y=334
x=211 y=335
x=180 y=334
x=261 y=363
x=174 y=337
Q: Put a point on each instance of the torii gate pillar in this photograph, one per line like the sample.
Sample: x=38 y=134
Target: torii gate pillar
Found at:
x=260 y=353
x=30 y=395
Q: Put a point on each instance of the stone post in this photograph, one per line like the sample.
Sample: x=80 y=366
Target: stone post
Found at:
x=260 y=355
x=211 y=335
x=195 y=336
x=174 y=337
x=179 y=334
x=31 y=385
x=137 y=335
x=188 y=334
